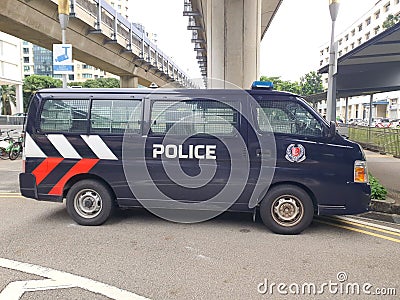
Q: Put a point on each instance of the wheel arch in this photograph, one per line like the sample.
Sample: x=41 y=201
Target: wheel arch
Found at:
x=74 y=179
x=293 y=183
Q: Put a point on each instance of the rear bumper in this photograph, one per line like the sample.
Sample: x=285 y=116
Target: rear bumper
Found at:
x=28 y=188
x=358 y=201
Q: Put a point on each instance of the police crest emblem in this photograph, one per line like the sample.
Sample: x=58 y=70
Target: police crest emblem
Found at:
x=295 y=153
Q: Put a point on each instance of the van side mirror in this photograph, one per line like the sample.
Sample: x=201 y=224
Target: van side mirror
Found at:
x=332 y=129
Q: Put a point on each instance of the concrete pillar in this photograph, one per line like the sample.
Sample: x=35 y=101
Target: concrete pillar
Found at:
x=19 y=98
x=129 y=81
x=233 y=42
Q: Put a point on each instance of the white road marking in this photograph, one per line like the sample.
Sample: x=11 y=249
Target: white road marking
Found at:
x=16 y=289
x=56 y=280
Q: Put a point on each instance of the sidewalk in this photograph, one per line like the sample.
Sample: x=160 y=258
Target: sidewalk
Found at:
x=387 y=170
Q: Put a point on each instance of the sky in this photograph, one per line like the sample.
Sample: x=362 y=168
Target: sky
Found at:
x=290 y=47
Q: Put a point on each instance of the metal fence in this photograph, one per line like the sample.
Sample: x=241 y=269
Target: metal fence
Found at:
x=384 y=140
x=12 y=120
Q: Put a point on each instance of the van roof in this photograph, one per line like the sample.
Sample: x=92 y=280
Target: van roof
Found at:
x=158 y=91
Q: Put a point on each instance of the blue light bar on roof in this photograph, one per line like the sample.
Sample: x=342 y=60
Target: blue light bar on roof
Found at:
x=265 y=85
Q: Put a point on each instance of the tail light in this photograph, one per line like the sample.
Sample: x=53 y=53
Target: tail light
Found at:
x=360 y=171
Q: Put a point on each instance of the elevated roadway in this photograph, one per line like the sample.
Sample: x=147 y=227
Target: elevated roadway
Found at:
x=100 y=36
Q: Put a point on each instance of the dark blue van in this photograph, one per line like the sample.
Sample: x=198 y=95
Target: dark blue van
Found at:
x=204 y=150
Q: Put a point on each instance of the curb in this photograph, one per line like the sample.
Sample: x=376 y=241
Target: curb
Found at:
x=388 y=206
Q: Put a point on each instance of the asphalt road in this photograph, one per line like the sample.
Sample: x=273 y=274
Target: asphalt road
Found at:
x=229 y=257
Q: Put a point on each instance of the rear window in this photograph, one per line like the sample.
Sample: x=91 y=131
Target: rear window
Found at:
x=65 y=116
x=193 y=117
x=106 y=116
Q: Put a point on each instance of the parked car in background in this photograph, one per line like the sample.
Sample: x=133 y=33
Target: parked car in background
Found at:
x=382 y=123
x=355 y=121
x=395 y=123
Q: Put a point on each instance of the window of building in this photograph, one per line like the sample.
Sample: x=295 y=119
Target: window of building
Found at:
x=352 y=45
x=340 y=53
x=327 y=49
x=115 y=116
x=321 y=62
x=359 y=41
x=346 y=49
x=368 y=21
x=367 y=36
x=193 y=117
x=25 y=43
x=287 y=117
x=376 y=29
x=326 y=60
x=322 y=52
x=326 y=80
x=71 y=77
x=27 y=68
x=386 y=7
x=340 y=42
x=360 y=27
x=353 y=32
x=65 y=116
x=25 y=50
x=87 y=75
x=346 y=37
x=26 y=60
x=377 y=13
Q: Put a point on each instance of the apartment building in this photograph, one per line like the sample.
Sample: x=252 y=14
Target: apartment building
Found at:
x=362 y=30
x=39 y=61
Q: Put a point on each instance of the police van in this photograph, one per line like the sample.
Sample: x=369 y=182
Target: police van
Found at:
x=101 y=149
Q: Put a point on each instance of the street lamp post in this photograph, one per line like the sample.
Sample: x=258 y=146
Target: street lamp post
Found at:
x=331 y=97
x=63 y=15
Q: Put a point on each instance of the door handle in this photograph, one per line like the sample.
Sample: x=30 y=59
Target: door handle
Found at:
x=265 y=153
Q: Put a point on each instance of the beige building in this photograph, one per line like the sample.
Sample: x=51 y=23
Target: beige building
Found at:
x=362 y=30
x=10 y=66
x=121 y=6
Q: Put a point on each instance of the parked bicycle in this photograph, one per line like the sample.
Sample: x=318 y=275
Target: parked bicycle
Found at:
x=9 y=147
x=16 y=149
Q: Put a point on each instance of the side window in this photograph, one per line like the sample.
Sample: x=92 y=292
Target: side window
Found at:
x=114 y=116
x=287 y=117
x=193 y=117
x=64 y=116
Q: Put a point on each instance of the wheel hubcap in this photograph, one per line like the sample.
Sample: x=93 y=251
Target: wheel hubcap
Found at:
x=287 y=210
x=88 y=203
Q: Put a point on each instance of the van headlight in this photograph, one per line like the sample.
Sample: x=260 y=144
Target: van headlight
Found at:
x=360 y=171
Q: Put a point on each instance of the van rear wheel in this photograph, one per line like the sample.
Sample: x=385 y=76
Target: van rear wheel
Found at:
x=287 y=209
x=89 y=202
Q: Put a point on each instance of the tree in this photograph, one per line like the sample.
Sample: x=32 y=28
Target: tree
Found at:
x=391 y=21
x=101 y=83
x=8 y=96
x=283 y=85
x=34 y=83
x=311 y=83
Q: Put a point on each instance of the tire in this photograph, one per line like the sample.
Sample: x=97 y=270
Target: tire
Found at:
x=287 y=209
x=3 y=153
x=14 y=152
x=89 y=202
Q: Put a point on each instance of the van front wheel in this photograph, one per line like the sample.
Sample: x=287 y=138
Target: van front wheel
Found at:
x=89 y=202
x=287 y=209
